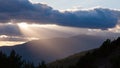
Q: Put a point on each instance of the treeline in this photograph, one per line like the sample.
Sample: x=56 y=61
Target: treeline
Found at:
x=107 y=56
x=15 y=61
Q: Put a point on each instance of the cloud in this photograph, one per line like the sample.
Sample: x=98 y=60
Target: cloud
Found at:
x=12 y=32
x=25 y=11
x=10 y=29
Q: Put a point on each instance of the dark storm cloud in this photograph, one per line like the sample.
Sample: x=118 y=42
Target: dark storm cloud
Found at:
x=10 y=29
x=24 y=11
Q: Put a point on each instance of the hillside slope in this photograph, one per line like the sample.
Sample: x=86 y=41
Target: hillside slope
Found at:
x=106 y=56
x=68 y=61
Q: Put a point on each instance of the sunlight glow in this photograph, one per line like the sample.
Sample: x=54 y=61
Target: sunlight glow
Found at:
x=40 y=31
x=23 y=25
x=36 y=30
x=26 y=30
x=3 y=36
x=43 y=31
x=10 y=43
x=6 y=40
x=115 y=30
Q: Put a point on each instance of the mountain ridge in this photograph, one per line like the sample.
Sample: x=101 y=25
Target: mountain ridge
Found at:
x=53 y=49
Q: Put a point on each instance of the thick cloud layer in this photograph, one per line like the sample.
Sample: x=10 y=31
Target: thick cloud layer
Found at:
x=12 y=30
x=24 y=11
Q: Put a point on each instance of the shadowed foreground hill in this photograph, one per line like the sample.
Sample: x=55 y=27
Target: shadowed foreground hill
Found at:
x=107 y=56
x=68 y=61
x=52 y=49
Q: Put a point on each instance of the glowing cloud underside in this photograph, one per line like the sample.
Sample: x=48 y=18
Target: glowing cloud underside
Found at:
x=34 y=30
x=10 y=43
x=40 y=31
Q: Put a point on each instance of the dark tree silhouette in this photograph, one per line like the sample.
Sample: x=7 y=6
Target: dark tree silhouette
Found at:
x=42 y=65
x=28 y=65
x=109 y=50
x=15 y=61
x=3 y=60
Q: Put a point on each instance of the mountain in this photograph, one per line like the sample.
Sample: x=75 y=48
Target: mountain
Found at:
x=52 y=49
x=106 y=56
x=68 y=61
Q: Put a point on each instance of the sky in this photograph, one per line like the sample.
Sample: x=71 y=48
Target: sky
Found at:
x=69 y=4
x=24 y=20
x=86 y=21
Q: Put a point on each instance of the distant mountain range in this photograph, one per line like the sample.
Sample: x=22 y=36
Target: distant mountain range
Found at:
x=53 y=49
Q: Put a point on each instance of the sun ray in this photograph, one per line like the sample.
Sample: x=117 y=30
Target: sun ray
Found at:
x=35 y=30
